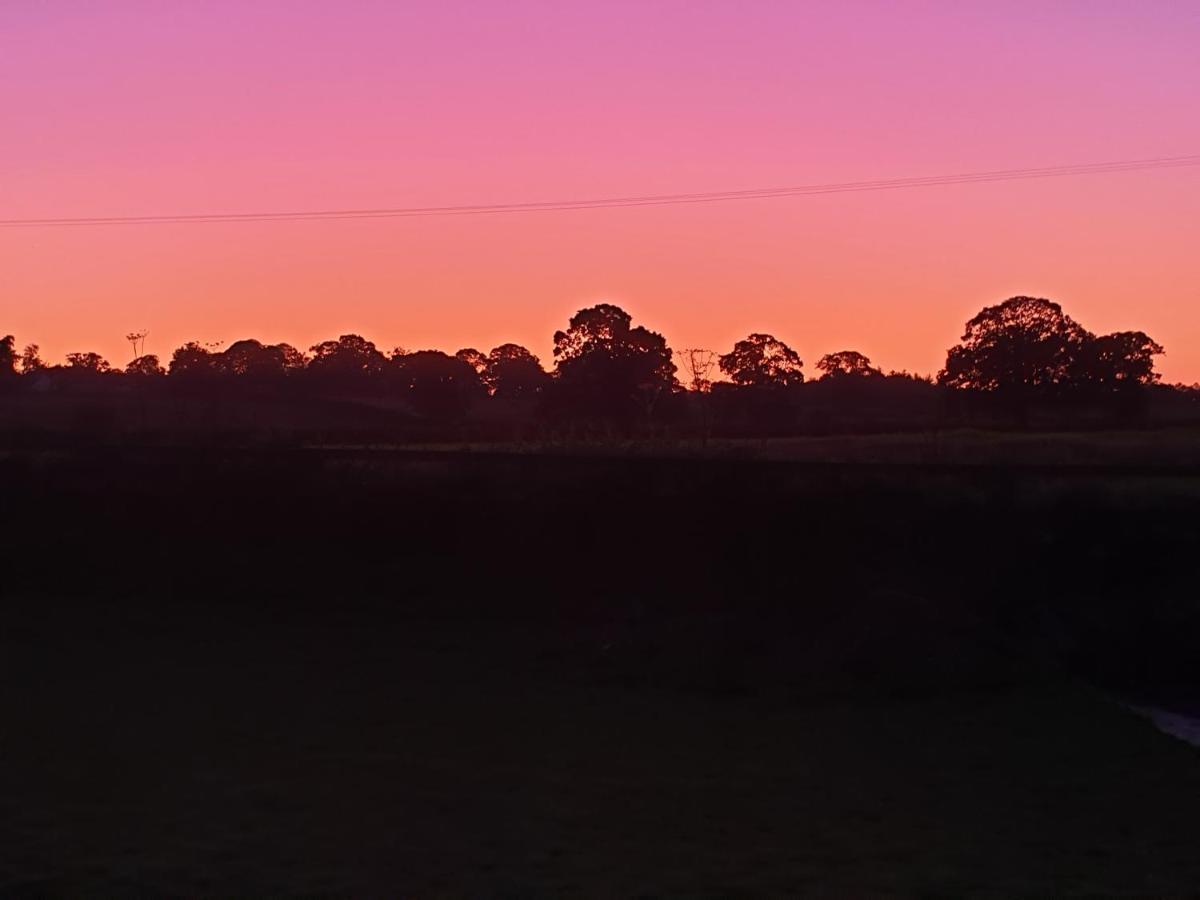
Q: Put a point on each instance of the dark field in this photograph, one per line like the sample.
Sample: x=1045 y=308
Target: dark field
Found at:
x=353 y=673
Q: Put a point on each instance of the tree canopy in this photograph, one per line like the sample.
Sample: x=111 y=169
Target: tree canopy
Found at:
x=437 y=384
x=761 y=360
x=351 y=356
x=8 y=355
x=1117 y=360
x=88 y=362
x=145 y=365
x=846 y=363
x=1030 y=343
x=513 y=373
x=31 y=359
x=257 y=360
x=606 y=366
x=192 y=361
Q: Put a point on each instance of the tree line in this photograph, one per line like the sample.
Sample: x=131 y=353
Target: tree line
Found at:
x=1022 y=351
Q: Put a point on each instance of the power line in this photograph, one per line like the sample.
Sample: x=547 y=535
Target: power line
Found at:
x=1102 y=168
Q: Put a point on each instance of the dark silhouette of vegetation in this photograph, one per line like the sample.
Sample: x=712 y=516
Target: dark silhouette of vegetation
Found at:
x=347 y=362
x=8 y=357
x=1030 y=344
x=437 y=385
x=511 y=372
x=252 y=359
x=1024 y=342
x=88 y=362
x=1021 y=362
x=474 y=358
x=192 y=362
x=31 y=360
x=846 y=363
x=1026 y=351
x=146 y=366
x=608 y=369
x=1114 y=361
x=762 y=361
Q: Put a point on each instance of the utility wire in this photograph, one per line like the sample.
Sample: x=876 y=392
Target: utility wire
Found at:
x=1102 y=168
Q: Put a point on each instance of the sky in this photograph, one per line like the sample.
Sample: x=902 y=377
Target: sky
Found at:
x=129 y=108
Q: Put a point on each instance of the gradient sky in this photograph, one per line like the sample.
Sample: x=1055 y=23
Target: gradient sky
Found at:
x=162 y=106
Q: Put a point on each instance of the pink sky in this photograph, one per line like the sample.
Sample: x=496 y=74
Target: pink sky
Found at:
x=132 y=108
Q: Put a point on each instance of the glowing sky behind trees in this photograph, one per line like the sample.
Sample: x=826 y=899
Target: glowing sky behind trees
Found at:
x=132 y=108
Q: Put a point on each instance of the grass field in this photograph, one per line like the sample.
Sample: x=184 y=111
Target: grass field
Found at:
x=291 y=671
x=1169 y=446
x=358 y=760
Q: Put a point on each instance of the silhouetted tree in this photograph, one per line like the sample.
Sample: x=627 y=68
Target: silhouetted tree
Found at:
x=1120 y=360
x=88 y=362
x=846 y=363
x=347 y=361
x=762 y=360
x=436 y=384
x=193 y=361
x=474 y=358
x=8 y=356
x=1022 y=343
x=293 y=359
x=145 y=366
x=606 y=368
x=252 y=359
x=31 y=360
x=513 y=373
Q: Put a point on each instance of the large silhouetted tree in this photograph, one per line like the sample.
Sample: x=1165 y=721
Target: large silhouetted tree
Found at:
x=762 y=360
x=513 y=373
x=846 y=363
x=1020 y=344
x=608 y=368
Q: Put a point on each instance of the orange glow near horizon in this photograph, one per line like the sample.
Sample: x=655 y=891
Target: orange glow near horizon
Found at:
x=145 y=108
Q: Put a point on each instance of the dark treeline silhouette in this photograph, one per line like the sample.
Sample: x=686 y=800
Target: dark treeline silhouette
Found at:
x=1021 y=362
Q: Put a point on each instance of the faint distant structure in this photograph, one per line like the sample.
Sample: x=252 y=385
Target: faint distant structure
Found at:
x=138 y=340
x=699 y=365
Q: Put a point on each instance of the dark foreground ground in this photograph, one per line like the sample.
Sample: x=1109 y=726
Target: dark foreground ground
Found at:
x=368 y=674
x=359 y=761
